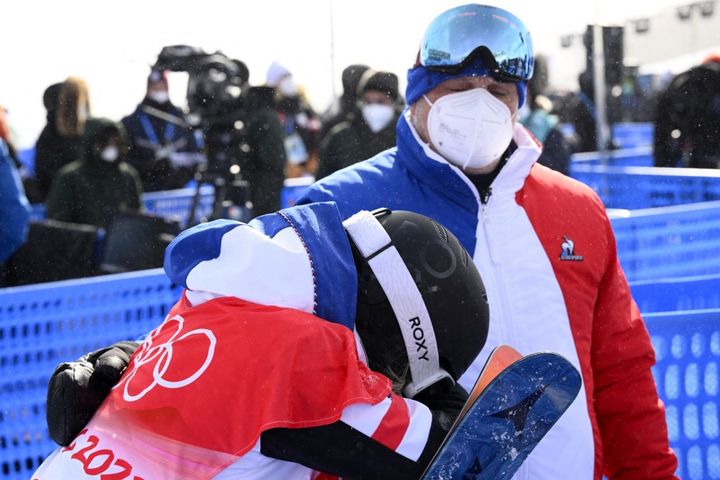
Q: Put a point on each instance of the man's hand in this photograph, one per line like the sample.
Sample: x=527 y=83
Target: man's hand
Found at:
x=77 y=389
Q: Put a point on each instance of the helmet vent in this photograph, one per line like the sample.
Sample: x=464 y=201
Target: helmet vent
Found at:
x=441 y=231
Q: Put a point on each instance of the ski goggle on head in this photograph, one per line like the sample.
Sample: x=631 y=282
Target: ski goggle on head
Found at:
x=455 y=38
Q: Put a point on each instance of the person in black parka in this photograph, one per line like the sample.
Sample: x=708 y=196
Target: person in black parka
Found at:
x=687 y=119
x=368 y=133
x=60 y=142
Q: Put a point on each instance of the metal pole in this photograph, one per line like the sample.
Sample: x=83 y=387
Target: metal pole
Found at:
x=332 y=49
x=601 y=122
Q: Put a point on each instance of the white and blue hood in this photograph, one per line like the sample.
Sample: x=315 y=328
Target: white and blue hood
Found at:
x=297 y=258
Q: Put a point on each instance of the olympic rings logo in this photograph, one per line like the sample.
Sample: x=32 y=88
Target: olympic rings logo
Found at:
x=162 y=356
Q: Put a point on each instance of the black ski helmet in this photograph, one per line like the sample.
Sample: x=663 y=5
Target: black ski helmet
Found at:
x=433 y=280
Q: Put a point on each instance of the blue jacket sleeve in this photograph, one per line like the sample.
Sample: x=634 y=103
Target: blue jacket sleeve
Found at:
x=14 y=207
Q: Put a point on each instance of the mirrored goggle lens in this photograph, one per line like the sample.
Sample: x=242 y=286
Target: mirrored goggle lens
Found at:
x=453 y=37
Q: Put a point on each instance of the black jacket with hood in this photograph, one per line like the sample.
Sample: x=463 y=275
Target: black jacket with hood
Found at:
x=92 y=190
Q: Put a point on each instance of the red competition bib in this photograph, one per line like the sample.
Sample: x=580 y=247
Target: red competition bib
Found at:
x=207 y=382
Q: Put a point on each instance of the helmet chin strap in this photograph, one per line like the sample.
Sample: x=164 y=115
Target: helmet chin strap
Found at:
x=407 y=303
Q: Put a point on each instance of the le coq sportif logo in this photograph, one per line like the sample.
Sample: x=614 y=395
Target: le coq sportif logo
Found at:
x=169 y=358
x=567 y=252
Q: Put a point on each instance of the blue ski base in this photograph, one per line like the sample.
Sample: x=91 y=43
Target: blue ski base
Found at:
x=507 y=420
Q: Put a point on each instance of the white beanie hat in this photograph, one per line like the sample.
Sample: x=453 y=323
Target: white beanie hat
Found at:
x=275 y=73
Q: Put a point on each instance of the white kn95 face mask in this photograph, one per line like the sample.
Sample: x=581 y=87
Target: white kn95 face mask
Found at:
x=470 y=129
x=110 y=153
x=377 y=116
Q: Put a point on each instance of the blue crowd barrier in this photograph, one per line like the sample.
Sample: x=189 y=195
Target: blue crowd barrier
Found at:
x=682 y=240
x=624 y=134
x=631 y=135
x=677 y=293
x=646 y=187
x=41 y=325
x=631 y=157
x=176 y=204
x=687 y=348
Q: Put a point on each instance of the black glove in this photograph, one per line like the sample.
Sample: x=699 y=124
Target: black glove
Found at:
x=77 y=389
x=445 y=399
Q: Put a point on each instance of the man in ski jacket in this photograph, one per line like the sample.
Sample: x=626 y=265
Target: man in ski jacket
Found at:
x=542 y=241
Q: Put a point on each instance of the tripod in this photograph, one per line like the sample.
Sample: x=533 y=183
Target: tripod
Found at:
x=228 y=150
x=231 y=198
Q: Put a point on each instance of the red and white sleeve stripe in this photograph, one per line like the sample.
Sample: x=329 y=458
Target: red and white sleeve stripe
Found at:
x=401 y=424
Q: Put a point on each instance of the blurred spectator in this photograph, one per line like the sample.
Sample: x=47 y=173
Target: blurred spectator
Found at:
x=583 y=114
x=163 y=148
x=687 y=121
x=68 y=107
x=299 y=121
x=632 y=101
x=14 y=207
x=369 y=133
x=100 y=184
x=345 y=106
x=648 y=93
x=543 y=124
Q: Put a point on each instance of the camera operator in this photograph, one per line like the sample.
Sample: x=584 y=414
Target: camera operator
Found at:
x=242 y=135
x=163 y=148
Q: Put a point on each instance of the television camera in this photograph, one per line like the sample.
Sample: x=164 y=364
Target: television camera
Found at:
x=220 y=102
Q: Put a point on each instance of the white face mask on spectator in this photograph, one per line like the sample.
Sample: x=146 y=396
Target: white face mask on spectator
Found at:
x=287 y=87
x=159 y=96
x=110 y=153
x=377 y=116
x=470 y=129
